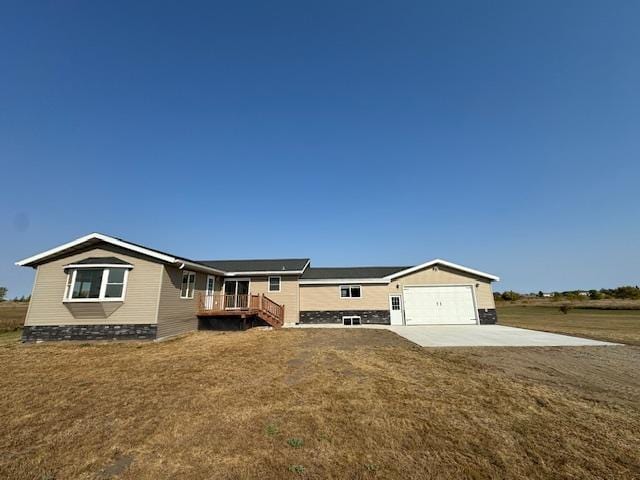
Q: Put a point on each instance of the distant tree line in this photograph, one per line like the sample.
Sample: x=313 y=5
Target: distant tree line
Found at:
x=626 y=292
x=3 y=295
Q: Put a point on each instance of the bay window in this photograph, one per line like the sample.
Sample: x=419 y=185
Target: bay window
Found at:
x=96 y=284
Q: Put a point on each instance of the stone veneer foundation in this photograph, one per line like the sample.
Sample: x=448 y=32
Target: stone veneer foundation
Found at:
x=380 y=317
x=37 y=333
x=487 y=316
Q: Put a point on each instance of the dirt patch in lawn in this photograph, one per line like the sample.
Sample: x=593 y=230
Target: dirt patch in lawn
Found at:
x=297 y=403
x=601 y=374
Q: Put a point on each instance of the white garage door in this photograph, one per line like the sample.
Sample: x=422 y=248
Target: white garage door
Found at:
x=446 y=305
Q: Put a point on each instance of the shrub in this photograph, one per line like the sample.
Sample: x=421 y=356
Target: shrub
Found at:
x=510 y=296
x=271 y=430
x=565 y=309
x=295 y=442
x=627 y=292
x=595 y=295
x=299 y=469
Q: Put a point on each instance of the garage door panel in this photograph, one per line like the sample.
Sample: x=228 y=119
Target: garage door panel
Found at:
x=444 y=305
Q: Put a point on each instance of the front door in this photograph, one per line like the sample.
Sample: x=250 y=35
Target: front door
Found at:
x=236 y=293
x=208 y=298
x=395 y=309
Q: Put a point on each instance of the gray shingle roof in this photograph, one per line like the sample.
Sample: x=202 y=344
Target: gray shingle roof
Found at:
x=153 y=249
x=259 y=265
x=349 y=272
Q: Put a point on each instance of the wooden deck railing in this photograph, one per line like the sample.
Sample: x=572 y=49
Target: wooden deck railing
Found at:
x=254 y=304
x=272 y=308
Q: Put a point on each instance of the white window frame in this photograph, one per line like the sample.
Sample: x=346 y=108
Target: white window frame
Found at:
x=351 y=317
x=349 y=287
x=391 y=298
x=71 y=283
x=279 y=283
x=193 y=290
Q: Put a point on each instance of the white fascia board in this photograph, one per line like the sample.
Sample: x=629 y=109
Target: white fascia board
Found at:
x=197 y=266
x=119 y=243
x=344 y=281
x=306 y=265
x=96 y=236
x=264 y=272
x=439 y=261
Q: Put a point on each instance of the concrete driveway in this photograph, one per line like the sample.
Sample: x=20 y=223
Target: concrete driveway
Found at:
x=487 y=336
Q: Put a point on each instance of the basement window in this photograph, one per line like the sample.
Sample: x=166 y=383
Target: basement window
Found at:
x=96 y=284
x=351 y=320
x=350 y=291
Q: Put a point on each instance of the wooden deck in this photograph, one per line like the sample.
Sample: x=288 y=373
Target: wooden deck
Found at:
x=242 y=306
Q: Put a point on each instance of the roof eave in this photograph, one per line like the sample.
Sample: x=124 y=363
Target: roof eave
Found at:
x=264 y=272
x=439 y=261
x=33 y=260
x=181 y=263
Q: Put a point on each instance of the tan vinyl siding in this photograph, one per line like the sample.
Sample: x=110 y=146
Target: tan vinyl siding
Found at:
x=287 y=296
x=177 y=315
x=139 y=306
x=376 y=296
x=444 y=276
x=327 y=298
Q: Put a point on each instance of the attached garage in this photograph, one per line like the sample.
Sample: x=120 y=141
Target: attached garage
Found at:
x=439 y=305
x=433 y=293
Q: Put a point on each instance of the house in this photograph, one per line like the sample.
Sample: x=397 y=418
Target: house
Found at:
x=102 y=287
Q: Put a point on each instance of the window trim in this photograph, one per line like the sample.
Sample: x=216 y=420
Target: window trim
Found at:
x=391 y=298
x=349 y=287
x=69 y=286
x=269 y=284
x=193 y=290
x=351 y=317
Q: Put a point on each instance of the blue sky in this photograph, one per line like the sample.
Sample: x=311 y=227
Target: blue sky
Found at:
x=501 y=135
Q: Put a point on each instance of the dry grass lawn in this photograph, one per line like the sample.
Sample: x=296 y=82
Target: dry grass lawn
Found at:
x=305 y=404
x=611 y=325
x=12 y=315
x=580 y=302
